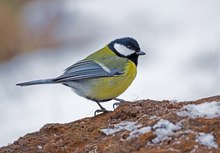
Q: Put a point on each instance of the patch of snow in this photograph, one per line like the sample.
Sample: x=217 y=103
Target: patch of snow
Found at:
x=137 y=132
x=207 y=110
x=207 y=140
x=124 y=125
x=39 y=147
x=174 y=101
x=164 y=129
x=153 y=117
x=178 y=142
x=134 y=129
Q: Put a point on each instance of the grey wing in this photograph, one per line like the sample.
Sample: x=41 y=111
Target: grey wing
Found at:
x=86 y=69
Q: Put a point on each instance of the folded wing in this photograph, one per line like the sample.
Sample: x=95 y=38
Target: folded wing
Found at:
x=86 y=69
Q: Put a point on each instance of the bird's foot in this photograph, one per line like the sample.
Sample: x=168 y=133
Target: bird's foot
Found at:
x=116 y=104
x=98 y=111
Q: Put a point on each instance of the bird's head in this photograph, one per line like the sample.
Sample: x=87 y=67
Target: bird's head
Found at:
x=126 y=47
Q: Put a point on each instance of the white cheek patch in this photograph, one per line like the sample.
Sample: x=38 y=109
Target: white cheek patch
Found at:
x=121 y=49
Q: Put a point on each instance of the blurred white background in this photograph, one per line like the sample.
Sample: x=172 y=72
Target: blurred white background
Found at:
x=181 y=39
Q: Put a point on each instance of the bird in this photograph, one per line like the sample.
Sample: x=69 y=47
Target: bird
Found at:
x=103 y=75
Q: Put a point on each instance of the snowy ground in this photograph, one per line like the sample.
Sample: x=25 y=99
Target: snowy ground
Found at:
x=163 y=130
x=205 y=110
x=181 y=40
x=207 y=140
x=166 y=130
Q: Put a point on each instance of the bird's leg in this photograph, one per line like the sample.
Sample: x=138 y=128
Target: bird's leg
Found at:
x=120 y=101
x=101 y=110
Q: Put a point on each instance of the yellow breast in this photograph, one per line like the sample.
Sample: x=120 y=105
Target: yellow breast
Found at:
x=111 y=87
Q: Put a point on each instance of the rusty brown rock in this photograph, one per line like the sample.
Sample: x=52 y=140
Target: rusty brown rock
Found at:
x=85 y=135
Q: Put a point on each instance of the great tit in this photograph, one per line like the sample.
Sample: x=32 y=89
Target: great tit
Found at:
x=103 y=75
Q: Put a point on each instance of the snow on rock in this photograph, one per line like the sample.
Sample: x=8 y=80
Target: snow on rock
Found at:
x=207 y=110
x=134 y=129
x=39 y=147
x=137 y=132
x=153 y=117
x=164 y=129
x=124 y=125
x=207 y=140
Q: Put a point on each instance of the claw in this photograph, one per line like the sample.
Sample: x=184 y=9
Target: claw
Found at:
x=116 y=104
x=100 y=111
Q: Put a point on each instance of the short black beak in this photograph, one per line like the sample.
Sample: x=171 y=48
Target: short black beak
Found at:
x=140 y=53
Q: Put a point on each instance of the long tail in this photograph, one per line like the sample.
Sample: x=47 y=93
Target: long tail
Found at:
x=36 y=82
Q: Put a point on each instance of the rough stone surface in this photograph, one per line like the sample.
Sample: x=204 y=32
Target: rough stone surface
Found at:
x=86 y=135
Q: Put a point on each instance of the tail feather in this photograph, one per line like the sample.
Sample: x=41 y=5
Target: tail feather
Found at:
x=36 y=82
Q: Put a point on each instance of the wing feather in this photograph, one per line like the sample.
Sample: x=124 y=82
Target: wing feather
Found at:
x=86 y=69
